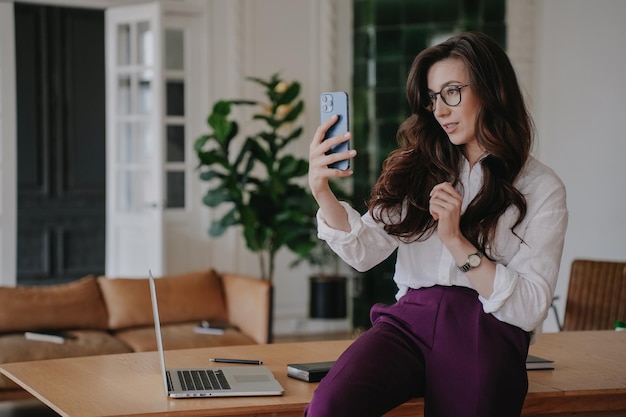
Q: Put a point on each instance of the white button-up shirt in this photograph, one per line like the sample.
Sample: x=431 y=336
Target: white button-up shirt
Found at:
x=526 y=270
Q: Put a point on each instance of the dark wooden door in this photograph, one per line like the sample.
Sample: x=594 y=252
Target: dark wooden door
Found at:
x=60 y=72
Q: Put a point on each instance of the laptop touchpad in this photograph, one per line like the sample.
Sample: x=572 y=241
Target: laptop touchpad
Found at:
x=250 y=378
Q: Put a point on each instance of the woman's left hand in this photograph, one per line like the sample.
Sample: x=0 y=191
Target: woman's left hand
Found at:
x=445 y=207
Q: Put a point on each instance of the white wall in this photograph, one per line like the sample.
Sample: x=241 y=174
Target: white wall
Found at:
x=579 y=106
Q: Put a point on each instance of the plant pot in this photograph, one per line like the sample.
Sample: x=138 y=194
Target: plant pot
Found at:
x=328 y=296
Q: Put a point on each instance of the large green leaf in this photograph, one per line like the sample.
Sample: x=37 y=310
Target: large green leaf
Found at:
x=210 y=175
x=208 y=158
x=293 y=135
x=243 y=153
x=216 y=196
x=270 y=84
x=263 y=207
x=200 y=142
x=291 y=167
x=222 y=107
x=302 y=246
x=270 y=120
x=234 y=130
x=244 y=102
x=218 y=227
x=294 y=112
x=260 y=153
x=221 y=126
x=289 y=95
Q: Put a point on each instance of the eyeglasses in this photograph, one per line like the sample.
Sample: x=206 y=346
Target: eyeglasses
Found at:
x=450 y=94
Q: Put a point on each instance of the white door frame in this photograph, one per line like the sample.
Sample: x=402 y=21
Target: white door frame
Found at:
x=8 y=153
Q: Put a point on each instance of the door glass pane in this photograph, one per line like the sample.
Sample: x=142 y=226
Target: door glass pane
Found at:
x=124 y=143
x=146 y=135
x=144 y=99
x=145 y=44
x=175 y=183
x=126 y=197
x=174 y=49
x=134 y=144
x=135 y=193
x=124 y=105
x=175 y=99
x=123 y=44
x=175 y=144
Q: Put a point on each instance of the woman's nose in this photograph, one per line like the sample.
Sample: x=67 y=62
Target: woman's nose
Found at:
x=441 y=108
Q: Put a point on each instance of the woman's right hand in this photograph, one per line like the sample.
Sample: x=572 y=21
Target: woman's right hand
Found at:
x=319 y=173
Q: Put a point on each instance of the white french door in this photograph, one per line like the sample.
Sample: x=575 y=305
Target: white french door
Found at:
x=135 y=200
x=152 y=201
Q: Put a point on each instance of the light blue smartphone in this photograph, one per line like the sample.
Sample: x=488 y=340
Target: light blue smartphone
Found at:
x=332 y=103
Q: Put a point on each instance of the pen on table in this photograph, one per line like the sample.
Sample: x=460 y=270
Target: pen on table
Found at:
x=243 y=361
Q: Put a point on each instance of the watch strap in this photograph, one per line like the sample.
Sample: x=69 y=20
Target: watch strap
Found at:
x=467 y=266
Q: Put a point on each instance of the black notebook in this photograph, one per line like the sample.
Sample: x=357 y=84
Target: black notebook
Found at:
x=309 y=372
x=315 y=371
x=536 y=362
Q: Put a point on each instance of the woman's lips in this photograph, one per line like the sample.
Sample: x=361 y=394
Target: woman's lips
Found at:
x=449 y=127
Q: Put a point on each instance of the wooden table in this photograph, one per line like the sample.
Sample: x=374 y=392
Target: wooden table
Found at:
x=589 y=379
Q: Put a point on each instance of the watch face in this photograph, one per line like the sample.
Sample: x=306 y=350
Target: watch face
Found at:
x=474 y=260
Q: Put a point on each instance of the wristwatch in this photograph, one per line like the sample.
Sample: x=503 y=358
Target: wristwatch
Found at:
x=472 y=262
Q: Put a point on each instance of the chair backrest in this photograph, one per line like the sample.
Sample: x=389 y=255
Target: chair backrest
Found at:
x=596 y=296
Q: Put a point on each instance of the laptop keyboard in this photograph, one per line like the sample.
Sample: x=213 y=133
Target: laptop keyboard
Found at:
x=202 y=380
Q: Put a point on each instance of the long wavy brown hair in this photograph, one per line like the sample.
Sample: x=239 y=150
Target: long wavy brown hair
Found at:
x=426 y=157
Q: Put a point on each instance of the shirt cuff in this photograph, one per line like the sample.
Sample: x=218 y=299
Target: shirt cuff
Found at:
x=327 y=233
x=503 y=286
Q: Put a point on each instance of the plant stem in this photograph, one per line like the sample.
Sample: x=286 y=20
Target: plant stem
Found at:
x=271 y=271
x=264 y=275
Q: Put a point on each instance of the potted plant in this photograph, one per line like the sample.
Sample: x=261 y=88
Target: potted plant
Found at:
x=257 y=178
x=328 y=286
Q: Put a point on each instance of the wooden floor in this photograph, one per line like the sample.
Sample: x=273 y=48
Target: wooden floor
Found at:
x=25 y=408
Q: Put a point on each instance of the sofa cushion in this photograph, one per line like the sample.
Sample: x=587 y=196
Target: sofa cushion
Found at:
x=187 y=297
x=15 y=347
x=76 y=305
x=180 y=336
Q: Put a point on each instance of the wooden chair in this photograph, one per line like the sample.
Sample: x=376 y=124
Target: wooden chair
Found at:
x=596 y=296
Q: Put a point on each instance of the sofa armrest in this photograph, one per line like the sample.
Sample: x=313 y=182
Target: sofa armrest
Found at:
x=248 y=302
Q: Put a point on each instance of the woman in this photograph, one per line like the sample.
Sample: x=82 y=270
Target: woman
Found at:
x=479 y=226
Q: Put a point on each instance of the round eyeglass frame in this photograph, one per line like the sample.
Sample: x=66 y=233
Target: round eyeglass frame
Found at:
x=432 y=105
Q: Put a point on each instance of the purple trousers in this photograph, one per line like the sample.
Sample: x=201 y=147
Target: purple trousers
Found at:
x=436 y=343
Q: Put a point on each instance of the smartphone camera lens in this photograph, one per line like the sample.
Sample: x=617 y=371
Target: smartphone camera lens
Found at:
x=327 y=103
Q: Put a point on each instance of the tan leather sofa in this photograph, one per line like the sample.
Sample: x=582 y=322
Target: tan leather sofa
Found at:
x=114 y=315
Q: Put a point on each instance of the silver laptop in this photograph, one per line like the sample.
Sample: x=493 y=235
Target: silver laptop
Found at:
x=228 y=381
